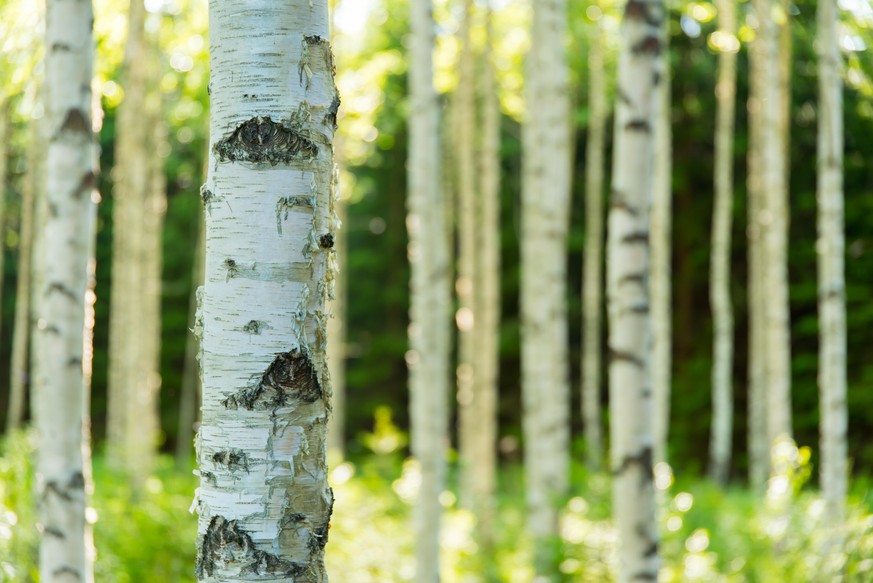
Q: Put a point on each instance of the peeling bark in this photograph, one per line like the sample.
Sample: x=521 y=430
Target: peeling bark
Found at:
x=264 y=501
x=630 y=326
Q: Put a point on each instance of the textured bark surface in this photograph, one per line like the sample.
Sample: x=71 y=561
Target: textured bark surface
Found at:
x=544 y=210
x=467 y=281
x=487 y=296
x=758 y=448
x=264 y=501
x=660 y=269
x=430 y=310
x=630 y=384
x=775 y=190
x=592 y=278
x=70 y=174
x=719 y=292
x=831 y=277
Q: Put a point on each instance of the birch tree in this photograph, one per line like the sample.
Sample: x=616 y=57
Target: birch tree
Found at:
x=5 y=131
x=469 y=416
x=719 y=291
x=774 y=187
x=592 y=278
x=60 y=471
x=639 y=78
x=544 y=209
x=660 y=269
x=430 y=293
x=831 y=277
x=758 y=449
x=264 y=500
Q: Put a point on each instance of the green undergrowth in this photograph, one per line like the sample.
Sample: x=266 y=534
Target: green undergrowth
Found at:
x=708 y=534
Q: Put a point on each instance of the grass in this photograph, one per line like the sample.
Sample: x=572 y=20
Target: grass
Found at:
x=709 y=534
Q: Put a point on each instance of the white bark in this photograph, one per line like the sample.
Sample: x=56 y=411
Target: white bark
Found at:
x=660 y=270
x=592 y=280
x=758 y=449
x=264 y=501
x=60 y=473
x=545 y=207
x=428 y=356
x=773 y=176
x=720 y=298
x=831 y=277
x=469 y=416
x=630 y=389
x=487 y=310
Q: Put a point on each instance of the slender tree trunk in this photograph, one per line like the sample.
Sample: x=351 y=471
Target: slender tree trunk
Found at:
x=487 y=311
x=720 y=297
x=469 y=416
x=773 y=170
x=336 y=334
x=592 y=280
x=264 y=500
x=59 y=338
x=18 y=376
x=831 y=277
x=4 y=140
x=430 y=293
x=633 y=177
x=758 y=448
x=190 y=378
x=661 y=269
x=545 y=204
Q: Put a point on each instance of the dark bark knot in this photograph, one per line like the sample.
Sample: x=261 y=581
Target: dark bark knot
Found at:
x=639 y=10
x=233 y=459
x=260 y=139
x=289 y=378
x=225 y=544
x=650 y=45
x=330 y=118
x=77 y=122
x=326 y=241
x=643 y=460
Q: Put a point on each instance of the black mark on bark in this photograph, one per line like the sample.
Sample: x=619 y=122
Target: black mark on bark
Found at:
x=255 y=327
x=639 y=10
x=225 y=543
x=326 y=241
x=67 y=570
x=619 y=356
x=290 y=377
x=87 y=184
x=76 y=121
x=637 y=237
x=619 y=201
x=638 y=125
x=54 y=532
x=643 y=459
x=260 y=139
x=232 y=268
x=233 y=459
x=649 y=45
x=61 y=47
x=61 y=289
x=330 y=118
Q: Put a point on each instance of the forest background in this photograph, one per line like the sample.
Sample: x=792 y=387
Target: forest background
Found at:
x=372 y=143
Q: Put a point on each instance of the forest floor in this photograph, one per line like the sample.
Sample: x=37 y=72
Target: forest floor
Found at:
x=708 y=534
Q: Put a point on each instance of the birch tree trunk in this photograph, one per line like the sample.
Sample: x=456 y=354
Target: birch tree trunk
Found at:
x=264 y=500
x=773 y=176
x=18 y=370
x=661 y=269
x=60 y=472
x=545 y=204
x=465 y=286
x=4 y=140
x=633 y=180
x=592 y=280
x=720 y=297
x=428 y=357
x=487 y=311
x=758 y=448
x=831 y=277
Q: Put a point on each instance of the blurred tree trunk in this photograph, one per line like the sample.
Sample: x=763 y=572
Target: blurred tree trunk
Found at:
x=831 y=277
x=633 y=177
x=660 y=270
x=720 y=296
x=544 y=211
x=758 y=448
x=467 y=282
x=592 y=280
x=336 y=334
x=18 y=370
x=59 y=377
x=4 y=140
x=774 y=174
x=190 y=389
x=487 y=311
x=430 y=303
x=264 y=499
